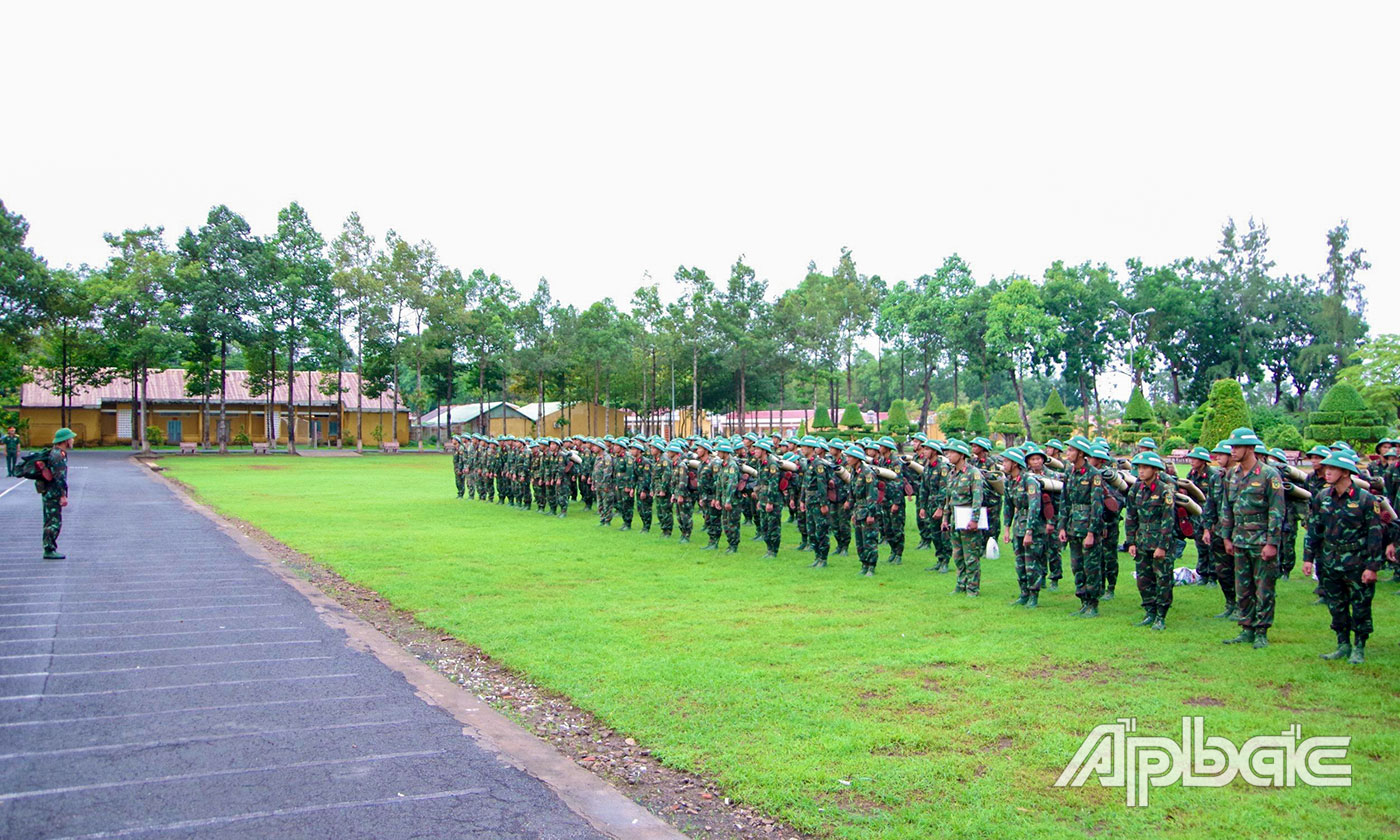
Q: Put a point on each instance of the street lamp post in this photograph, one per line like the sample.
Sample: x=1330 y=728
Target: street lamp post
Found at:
x=1132 y=335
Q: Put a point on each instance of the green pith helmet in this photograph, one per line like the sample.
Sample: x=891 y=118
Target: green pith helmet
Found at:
x=1055 y=443
x=1243 y=436
x=857 y=453
x=982 y=442
x=1015 y=457
x=1337 y=459
x=1147 y=443
x=1200 y=453
x=1149 y=459
x=959 y=447
x=63 y=434
x=1320 y=451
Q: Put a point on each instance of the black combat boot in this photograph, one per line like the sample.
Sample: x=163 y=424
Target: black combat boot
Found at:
x=1033 y=601
x=818 y=563
x=1021 y=601
x=1358 y=651
x=1146 y=620
x=1160 y=623
x=1092 y=610
x=1261 y=638
x=1245 y=637
x=1343 y=648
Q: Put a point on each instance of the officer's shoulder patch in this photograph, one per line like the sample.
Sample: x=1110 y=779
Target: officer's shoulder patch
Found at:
x=1098 y=480
x=1275 y=483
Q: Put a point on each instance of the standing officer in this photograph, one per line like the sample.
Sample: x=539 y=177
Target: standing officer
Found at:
x=709 y=495
x=685 y=488
x=964 y=489
x=865 y=506
x=1202 y=474
x=459 y=465
x=816 y=504
x=11 y=441
x=1344 y=538
x=893 y=518
x=1150 y=530
x=1082 y=509
x=1251 y=521
x=53 y=489
x=990 y=465
x=1028 y=532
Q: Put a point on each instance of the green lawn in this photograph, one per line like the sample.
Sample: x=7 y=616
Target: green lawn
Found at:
x=856 y=708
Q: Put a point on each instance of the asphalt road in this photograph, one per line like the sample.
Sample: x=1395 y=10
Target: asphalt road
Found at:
x=161 y=683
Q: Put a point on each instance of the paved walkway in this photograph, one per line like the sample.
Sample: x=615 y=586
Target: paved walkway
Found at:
x=162 y=683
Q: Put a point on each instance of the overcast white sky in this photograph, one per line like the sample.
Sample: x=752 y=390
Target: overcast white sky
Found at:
x=592 y=142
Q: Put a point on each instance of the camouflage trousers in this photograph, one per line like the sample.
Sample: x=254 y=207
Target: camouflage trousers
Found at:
x=644 y=510
x=1030 y=562
x=1347 y=598
x=1288 y=552
x=1254 y=586
x=685 y=515
x=801 y=520
x=53 y=520
x=729 y=523
x=770 y=525
x=544 y=495
x=841 y=526
x=626 y=504
x=818 y=530
x=1205 y=561
x=1087 y=566
x=942 y=542
x=993 y=524
x=1224 y=566
x=1053 y=558
x=585 y=491
x=750 y=506
x=928 y=526
x=561 y=497
x=968 y=547
x=892 y=523
x=1107 y=545
x=665 y=514
x=461 y=484
x=709 y=514
x=1154 y=582
x=605 y=505
x=868 y=542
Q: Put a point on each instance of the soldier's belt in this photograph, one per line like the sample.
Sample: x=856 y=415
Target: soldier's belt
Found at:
x=1251 y=526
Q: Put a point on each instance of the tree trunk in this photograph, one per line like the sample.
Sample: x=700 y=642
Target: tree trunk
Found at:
x=928 y=391
x=223 y=399
x=291 y=395
x=360 y=386
x=482 y=423
x=1021 y=401
x=137 y=433
x=1176 y=385
x=695 y=388
x=955 y=381
x=145 y=410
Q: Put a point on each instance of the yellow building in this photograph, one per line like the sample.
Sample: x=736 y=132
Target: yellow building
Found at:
x=560 y=419
x=105 y=415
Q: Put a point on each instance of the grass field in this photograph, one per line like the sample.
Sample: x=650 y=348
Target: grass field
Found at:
x=847 y=706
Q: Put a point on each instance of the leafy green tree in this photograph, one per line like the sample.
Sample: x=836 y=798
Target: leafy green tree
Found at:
x=135 y=306
x=1225 y=412
x=27 y=295
x=301 y=296
x=357 y=287
x=1284 y=436
x=72 y=352
x=738 y=314
x=1017 y=327
x=1081 y=299
x=1344 y=306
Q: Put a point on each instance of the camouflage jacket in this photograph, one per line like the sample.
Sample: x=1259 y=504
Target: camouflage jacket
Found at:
x=57 y=461
x=965 y=487
x=459 y=460
x=770 y=478
x=989 y=465
x=663 y=477
x=1082 y=502
x=603 y=471
x=1027 y=499
x=817 y=481
x=1251 y=512
x=624 y=471
x=1151 y=516
x=865 y=494
x=930 y=488
x=709 y=481
x=1346 y=530
x=1206 y=480
x=727 y=482
x=643 y=470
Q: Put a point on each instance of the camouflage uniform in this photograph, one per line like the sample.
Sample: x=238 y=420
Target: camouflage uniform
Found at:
x=795 y=490
x=816 y=492
x=935 y=480
x=51 y=494
x=989 y=465
x=709 y=494
x=1027 y=501
x=585 y=480
x=663 y=485
x=459 y=469
x=1081 y=512
x=966 y=488
x=840 y=519
x=1152 y=525
x=685 y=486
x=603 y=486
x=865 y=510
x=892 y=513
x=1345 y=538
x=768 y=493
x=1203 y=475
x=1251 y=517
x=731 y=503
x=644 y=469
x=624 y=477
x=12 y=444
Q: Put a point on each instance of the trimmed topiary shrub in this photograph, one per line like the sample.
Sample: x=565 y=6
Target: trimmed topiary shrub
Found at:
x=851 y=417
x=1055 y=422
x=977 y=420
x=1284 y=436
x=1172 y=444
x=897 y=422
x=821 y=419
x=1139 y=421
x=1225 y=412
x=953 y=422
x=1345 y=415
x=1007 y=422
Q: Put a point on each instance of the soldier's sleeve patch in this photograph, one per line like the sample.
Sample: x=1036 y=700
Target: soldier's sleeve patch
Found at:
x=1097 y=481
x=1276 y=484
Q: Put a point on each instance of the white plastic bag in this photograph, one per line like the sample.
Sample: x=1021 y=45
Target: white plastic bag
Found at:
x=993 y=551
